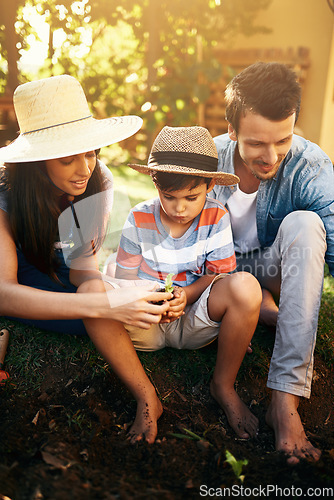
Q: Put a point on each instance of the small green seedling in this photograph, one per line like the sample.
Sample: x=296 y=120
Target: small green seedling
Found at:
x=169 y=283
x=236 y=465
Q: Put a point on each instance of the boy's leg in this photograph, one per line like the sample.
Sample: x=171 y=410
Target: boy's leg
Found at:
x=234 y=302
x=114 y=344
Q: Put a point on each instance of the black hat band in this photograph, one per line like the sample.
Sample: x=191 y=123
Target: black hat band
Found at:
x=183 y=159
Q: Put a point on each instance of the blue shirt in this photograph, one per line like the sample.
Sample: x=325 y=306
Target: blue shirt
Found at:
x=304 y=181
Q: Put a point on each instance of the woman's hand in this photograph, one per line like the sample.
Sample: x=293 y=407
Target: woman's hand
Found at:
x=176 y=305
x=135 y=305
x=126 y=283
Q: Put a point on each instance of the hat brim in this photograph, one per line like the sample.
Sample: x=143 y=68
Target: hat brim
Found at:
x=220 y=178
x=69 y=139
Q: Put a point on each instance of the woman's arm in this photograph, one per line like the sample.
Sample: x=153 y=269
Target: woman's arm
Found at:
x=22 y=301
x=83 y=269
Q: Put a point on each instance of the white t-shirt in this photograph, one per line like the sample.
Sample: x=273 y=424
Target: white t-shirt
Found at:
x=242 y=209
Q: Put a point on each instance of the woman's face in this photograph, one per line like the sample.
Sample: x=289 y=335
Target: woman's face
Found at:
x=71 y=173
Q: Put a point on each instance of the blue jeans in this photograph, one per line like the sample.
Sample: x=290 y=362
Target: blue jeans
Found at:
x=293 y=268
x=29 y=275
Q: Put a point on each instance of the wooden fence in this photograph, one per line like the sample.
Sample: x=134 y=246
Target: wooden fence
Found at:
x=211 y=114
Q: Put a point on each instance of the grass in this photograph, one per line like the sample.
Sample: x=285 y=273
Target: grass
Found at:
x=325 y=338
x=31 y=350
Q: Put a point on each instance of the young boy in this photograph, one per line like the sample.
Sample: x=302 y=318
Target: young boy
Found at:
x=188 y=234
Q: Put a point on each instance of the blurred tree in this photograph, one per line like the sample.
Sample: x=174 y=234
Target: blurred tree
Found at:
x=149 y=57
x=174 y=50
x=8 y=45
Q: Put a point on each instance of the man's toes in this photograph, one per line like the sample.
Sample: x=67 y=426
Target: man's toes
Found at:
x=243 y=434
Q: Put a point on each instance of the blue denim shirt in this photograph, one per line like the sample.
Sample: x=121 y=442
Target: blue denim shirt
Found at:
x=304 y=181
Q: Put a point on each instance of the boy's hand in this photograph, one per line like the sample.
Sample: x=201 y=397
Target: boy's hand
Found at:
x=176 y=305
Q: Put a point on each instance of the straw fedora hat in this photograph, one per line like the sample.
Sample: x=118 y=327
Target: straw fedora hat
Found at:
x=185 y=150
x=55 y=121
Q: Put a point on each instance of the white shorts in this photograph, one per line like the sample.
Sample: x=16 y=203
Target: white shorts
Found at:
x=191 y=331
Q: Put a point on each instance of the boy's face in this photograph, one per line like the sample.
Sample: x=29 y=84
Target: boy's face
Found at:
x=181 y=207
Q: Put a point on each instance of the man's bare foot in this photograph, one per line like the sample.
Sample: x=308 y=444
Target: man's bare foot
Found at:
x=268 y=310
x=283 y=417
x=240 y=418
x=145 y=425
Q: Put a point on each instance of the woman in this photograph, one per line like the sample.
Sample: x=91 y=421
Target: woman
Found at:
x=48 y=271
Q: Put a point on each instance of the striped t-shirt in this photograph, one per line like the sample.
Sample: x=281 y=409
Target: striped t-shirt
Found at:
x=206 y=246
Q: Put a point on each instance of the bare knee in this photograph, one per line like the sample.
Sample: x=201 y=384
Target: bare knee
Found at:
x=244 y=290
x=238 y=293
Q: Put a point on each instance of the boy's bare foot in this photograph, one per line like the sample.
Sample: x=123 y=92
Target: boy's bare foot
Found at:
x=240 y=418
x=145 y=425
x=283 y=417
x=268 y=310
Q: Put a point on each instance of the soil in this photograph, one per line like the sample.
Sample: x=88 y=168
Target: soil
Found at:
x=67 y=440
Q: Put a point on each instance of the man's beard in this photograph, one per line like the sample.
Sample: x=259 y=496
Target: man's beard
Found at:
x=267 y=175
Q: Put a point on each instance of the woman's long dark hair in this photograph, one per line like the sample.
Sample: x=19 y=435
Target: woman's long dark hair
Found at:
x=34 y=209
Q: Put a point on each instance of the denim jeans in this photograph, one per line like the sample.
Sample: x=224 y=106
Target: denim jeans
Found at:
x=293 y=268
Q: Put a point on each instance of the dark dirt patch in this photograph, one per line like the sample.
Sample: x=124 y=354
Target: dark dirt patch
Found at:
x=68 y=439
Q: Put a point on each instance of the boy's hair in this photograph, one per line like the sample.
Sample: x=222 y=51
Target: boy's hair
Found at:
x=268 y=89
x=167 y=181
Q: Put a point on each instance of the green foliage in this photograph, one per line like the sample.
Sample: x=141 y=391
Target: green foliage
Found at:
x=149 y=57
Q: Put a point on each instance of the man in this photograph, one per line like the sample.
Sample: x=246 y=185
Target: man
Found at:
x=283 y=230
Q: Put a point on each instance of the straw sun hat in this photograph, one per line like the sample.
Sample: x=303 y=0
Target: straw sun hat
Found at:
x=185 y=150
x=55 y=121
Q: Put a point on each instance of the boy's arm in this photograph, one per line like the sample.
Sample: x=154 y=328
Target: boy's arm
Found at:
x=220 y=256
x=186 y=295
x=195 y=290
x=129 y=255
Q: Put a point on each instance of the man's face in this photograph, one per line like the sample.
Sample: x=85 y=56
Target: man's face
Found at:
x=262 y=143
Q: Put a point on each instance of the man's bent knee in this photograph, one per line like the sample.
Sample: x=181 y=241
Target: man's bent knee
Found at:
x=304 y=232
x=303 y=222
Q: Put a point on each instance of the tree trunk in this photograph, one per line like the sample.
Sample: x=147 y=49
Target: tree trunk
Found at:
x=8 y=13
